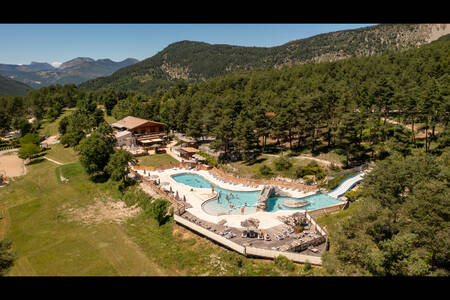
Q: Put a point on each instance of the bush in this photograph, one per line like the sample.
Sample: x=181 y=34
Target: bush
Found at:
x=158 y=210
x=209 y=159
x=282 y=163
x=353 y=194
x=307 y=267
x=284 y=263
x=265 y=170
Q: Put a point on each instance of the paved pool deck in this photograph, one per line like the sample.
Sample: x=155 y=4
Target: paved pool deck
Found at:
x=195 y=197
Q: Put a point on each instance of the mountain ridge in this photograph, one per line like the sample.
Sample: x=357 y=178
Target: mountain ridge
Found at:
x=199 y=61
x=75 y=71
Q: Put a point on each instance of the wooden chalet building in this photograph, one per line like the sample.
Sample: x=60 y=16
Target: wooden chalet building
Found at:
x=143 y=132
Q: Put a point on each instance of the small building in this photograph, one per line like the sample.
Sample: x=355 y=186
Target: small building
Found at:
x=124 y=138
x=187 y=152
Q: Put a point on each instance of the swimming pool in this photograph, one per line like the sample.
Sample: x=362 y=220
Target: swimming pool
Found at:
x=238 y=199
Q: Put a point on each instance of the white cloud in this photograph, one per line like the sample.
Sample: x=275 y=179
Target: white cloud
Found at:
x=56 y=64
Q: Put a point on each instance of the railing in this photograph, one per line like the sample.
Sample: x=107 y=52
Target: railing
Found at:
x=179 y=208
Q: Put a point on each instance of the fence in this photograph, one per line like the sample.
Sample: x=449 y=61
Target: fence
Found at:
x=178 y=206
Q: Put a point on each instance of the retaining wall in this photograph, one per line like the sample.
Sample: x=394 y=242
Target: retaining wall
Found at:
x=252 y=251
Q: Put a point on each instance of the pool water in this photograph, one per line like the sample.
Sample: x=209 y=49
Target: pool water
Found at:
x=248 y=200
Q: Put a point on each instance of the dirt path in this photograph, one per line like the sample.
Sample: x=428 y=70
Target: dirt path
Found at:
x=54 y=161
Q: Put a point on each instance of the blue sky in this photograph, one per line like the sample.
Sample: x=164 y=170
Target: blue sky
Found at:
x=24 y=43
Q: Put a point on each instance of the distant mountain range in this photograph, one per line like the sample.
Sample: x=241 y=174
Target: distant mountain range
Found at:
x=75 y=71
x=11 y=87
x=198 y=61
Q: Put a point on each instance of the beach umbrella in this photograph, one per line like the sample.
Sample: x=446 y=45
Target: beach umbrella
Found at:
x=170 y=188
x=184 y=198
x=177 y=196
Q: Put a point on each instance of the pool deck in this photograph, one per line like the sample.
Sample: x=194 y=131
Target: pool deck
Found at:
x=197 y=196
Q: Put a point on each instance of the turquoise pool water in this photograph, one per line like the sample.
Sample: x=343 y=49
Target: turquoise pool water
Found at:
x=239 y=199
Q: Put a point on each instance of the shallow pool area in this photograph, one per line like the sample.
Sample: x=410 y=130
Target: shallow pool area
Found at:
x=232 y=202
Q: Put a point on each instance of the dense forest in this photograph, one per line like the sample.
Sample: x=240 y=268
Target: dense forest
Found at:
x=344 y=105
x=199 y=61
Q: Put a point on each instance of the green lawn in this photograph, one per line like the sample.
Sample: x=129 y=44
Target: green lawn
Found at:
x=34 y=210
x=156 y=160
x=252 y=170
x=61 y=154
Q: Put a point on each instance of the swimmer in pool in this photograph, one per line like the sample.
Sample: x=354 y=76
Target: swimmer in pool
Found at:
x=237 y=196
x=231 y=205
x=278 y=205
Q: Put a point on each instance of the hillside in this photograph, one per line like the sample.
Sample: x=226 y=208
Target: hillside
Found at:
x=199 y=61
x=10 y=87
x=75 y=71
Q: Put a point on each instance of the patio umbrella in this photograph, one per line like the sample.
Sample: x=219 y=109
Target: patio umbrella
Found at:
x=170 y=188
x=177 y=196
x=184 y=198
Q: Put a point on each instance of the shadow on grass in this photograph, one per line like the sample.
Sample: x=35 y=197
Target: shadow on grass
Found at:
x=100 y=178
x=35 y=161
x=256 y=161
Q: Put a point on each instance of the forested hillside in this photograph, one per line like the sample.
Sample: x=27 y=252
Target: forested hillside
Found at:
x=198 y=61
x=10 y=87
x=343 y=104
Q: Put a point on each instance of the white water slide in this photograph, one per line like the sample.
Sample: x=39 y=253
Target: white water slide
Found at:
x=346 y=185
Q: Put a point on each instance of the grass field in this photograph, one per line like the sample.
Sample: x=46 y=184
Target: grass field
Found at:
x=156 y=160
x=252 y=170
x=34 y=215
x=61 y=154
x=51 y=128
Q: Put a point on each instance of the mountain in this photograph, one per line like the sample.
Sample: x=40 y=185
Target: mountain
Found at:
x=198 y=61
x=10 y=87
x=33 y=67
x=75 y=71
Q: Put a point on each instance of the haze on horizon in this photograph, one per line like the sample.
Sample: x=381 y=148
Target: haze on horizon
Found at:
x=58 y=43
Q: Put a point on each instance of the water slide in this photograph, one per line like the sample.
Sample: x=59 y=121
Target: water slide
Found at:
x=346 y=185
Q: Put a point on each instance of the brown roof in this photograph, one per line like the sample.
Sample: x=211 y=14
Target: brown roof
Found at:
x=189 y=149
x=131 y=122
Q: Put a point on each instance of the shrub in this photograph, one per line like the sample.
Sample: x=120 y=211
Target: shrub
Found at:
x=282 y=163
x=158 y=210
x=353 y=194
x=265 y=170
x=307 y=267
x=284 y=263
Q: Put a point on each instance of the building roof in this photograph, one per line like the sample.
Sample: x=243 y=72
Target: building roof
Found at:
x=189 y=149
x=131 y=122
x=122 y=133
